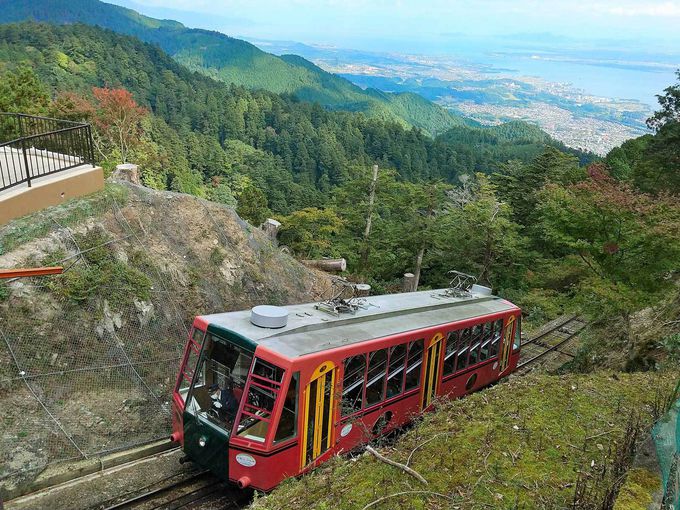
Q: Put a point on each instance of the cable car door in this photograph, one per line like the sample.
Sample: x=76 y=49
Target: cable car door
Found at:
x=319 y=406
x=432 y=363
x=506 y=346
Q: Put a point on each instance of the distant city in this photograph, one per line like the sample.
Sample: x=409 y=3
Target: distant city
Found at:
x=490 y=94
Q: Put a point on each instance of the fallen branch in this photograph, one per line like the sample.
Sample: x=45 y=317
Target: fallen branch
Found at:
x=403 y=467
x=600 y=434
x=379 y=500
x=408 y=461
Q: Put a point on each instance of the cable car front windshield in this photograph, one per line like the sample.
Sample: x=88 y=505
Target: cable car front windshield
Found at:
x=219 y=381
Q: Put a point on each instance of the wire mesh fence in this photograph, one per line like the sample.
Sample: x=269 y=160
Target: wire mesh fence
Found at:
x=666 y=435
x=88 y=358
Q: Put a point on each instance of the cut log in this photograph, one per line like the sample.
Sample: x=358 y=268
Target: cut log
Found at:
x=329 y=265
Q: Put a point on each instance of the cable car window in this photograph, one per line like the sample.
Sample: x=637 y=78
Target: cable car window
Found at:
x=462 y=356
x=375 y=381
x=487 y=337
x=288 y=422
x=518 y=335
x=191 y=360
x=257 y=409
x=450 y=353
x=395 y=374
x=353 y=384
x=267 y=371
x=218 y=387
x=475 y=344
x=415 y=359
x=497 y=333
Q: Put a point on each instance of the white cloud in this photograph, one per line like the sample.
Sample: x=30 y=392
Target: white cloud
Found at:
x=650 y=9
x=343 y=20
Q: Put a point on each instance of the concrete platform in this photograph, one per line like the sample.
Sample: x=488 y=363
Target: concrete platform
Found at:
x=49 y=190
x=41 y=162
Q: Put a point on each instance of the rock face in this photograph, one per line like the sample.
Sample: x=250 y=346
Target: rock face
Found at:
x=99 y=346
x=109 y=323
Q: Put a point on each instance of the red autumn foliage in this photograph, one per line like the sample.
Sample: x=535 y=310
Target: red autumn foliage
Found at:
x=598 y=171
x=71 y=106
x=118 y=118
x=609 y=193
x=611 y=247
x=117 y=107
x=114 y=114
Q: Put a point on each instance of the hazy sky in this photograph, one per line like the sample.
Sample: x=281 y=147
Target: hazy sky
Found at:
x=360 y=23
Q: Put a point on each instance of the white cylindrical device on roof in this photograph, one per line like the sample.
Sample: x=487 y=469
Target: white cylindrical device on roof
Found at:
x=268 y=316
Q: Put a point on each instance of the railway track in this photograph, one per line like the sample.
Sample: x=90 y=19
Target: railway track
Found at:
x=199 y=490
x=551 y=346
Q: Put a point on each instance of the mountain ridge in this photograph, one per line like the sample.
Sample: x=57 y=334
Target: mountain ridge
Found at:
x=233 y=60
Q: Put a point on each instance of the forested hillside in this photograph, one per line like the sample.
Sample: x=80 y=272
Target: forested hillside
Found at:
x=236 y=61
x=293 y=151
x=515 y=140
x=503 y=203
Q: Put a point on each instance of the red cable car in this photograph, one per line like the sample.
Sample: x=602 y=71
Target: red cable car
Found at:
x=265 y=396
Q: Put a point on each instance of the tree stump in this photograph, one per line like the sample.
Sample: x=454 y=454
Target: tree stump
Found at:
x=271 y=228
x=409 y=283
x=127 y=172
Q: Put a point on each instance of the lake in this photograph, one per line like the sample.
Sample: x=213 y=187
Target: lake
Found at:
x=599 y=80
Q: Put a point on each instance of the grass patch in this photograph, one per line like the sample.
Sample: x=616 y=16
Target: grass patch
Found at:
x=217 y=256
x=71 y=212
x=518 y=445
x=636 y=493
x=101 y=273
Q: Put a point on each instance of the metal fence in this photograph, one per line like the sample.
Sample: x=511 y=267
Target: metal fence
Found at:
x=32 y=147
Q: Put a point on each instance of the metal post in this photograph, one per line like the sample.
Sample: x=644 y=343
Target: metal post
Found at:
x=23 y=150
x=369 y=218
x=90 y=145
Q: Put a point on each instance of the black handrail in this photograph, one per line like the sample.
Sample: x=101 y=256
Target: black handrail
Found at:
x=33 y=146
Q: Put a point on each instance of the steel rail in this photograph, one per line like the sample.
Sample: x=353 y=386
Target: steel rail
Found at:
x=39 y=117
x=550 y=330
x=153 y=493
x=553 y=348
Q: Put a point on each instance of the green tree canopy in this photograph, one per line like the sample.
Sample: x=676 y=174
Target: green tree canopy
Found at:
x=311 y=233
x=628 y=242
x=477 y=235
x=518 y=183
x=22 y=92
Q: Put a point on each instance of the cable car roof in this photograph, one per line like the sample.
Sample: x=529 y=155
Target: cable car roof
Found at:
x=312 y=330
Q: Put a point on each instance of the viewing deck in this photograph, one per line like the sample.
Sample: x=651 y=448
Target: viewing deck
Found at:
x=44 y=162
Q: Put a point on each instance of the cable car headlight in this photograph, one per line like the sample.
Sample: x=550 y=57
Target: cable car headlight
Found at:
x=202 y=441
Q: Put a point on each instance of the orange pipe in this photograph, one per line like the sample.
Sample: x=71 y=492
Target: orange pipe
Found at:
x=25 y=272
